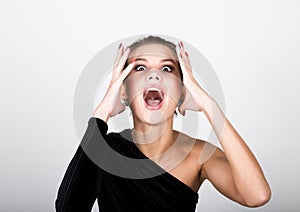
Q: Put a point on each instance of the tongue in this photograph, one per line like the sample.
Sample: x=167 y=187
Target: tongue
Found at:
x=152 y=98
x=152 y=101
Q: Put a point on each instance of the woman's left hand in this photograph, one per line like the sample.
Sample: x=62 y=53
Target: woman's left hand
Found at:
x=196 y=99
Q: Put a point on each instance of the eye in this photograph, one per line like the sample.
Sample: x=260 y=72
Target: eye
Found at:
x=140 y=68
x=167 y=68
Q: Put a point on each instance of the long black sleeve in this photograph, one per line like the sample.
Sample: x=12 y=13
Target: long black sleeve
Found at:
x=82 y=181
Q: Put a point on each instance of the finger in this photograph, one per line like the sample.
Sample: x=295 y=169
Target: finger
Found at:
x=178 y=51
x=183 y=59
x=184 y=54
x=127 y=70
x=187 y=59
x=119 y=55
x=122 y=61
x=181 y=45
x=184 y=64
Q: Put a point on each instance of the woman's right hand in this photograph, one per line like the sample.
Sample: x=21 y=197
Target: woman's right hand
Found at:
x=111 y=104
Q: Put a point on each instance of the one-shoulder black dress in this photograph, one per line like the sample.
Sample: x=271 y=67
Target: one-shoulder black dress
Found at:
x=85 y=181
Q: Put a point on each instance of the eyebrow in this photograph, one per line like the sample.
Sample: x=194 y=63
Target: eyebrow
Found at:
x=163 y=60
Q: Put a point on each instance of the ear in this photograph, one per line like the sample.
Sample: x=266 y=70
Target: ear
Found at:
x=182 y=96
x=123 y=94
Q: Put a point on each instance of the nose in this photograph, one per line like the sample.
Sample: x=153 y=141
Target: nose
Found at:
x=153 y=76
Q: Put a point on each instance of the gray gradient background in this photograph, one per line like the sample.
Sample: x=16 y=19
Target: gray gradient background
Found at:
x=253 y=47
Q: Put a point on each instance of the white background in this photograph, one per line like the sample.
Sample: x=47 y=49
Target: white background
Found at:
x=253 y=47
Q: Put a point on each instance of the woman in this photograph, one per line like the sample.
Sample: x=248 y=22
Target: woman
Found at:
x=153 y=78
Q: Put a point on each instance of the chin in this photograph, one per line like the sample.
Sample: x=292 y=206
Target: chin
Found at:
x=153 y=117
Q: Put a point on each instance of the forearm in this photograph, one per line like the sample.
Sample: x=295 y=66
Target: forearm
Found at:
x=82 y=180
x=246 y=172
x=79 y=187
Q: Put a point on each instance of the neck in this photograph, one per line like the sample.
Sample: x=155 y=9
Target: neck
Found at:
x=153 y=139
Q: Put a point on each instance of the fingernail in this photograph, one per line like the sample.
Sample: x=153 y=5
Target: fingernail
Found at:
x=120 y=45
x=133 y=60
x=181 y=43
x=186 y=53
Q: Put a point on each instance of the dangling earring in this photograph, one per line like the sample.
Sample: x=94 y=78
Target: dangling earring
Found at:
x=125 y=102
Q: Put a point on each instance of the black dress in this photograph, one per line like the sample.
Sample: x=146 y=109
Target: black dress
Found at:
x=85 y=181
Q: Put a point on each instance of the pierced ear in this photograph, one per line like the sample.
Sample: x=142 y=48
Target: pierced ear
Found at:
x=123 y=94
x=182 y=96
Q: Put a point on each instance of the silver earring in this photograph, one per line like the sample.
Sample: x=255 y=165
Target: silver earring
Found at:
x=125 y=102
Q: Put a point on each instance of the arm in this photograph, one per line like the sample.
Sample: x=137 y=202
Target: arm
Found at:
x=234 y=172
x=82 y=180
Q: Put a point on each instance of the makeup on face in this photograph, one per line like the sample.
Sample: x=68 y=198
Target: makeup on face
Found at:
x=155 y=78
x=165 y=65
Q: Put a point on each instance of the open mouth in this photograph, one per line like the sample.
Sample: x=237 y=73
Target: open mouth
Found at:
x=153 y=98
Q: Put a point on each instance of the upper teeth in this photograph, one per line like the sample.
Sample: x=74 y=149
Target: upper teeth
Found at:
x=154 y=89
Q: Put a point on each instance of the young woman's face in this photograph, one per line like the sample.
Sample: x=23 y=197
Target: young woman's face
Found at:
x=154 y=86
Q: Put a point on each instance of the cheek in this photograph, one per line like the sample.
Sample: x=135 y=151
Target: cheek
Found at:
x=134 y=86
x=174 y=89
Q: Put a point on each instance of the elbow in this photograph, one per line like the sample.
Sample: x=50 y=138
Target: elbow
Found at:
x=259 y=199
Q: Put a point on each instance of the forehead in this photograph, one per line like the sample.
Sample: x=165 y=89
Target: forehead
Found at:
x=159 y=50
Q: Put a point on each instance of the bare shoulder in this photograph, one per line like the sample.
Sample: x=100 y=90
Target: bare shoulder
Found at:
x=202 y=150
x=204 y=153
x=193 y=154
x=211 y=158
